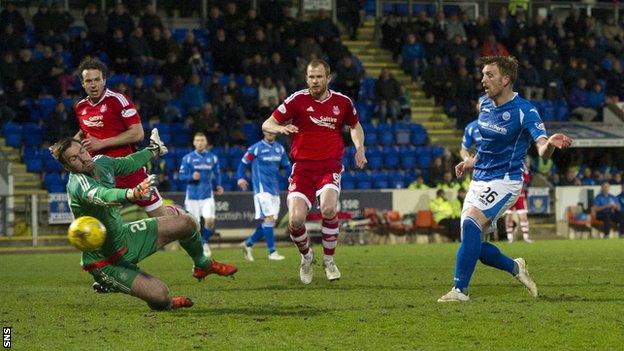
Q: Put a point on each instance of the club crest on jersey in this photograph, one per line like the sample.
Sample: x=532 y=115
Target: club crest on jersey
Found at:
x=336 y=110
x=103 y=108
x=506 y=116
x=310 y=109
x=282 y=108
x=128 y=113
x=540 y=126
x=84 y=112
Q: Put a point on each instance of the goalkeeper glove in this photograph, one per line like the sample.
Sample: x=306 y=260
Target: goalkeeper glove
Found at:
x=143 y=191
x=156 y=146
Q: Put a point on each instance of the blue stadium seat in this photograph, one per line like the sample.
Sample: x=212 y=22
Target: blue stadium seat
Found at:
x=252 y=132
x=364 y=109
x=180 y=134
x=32 y=134
x=390 y=157
x=178 y=34
x=562 y=111
x=370 y=138
x=408 y=157
x=396 y=179
x=34 y=163
x=74 y=31
x=380 y=180
x=374 y=157
x=11 y=128
x=170 y=161
x=348 y=180
x=402 y=133
x=47 y=106
x=367 y=88
x=418 y=134
x=50 y=164
x=13 y=139
x=363 y=180
x=54 y=183
x=437 y=151
x=549 y=113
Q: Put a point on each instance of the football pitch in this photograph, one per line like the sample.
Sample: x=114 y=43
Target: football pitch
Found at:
x=386 y=300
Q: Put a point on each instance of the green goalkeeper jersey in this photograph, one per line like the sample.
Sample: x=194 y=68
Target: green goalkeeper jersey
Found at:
x=95 y=195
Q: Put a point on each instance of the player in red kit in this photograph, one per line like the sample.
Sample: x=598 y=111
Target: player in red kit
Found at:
x=314 y=117
x=520 y=207
x=110 y=125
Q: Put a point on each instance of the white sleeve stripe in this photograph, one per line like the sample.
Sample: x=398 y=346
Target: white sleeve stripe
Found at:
x=122 y=99
x=521 y=116
x=289 y=99
x=82 y=181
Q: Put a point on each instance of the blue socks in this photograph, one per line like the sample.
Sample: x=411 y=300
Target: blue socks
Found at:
x=257 y=234
x=471 y=249
x=206 y=233
x=468 y=253
x=491 y=256
x=269 y=236
x=266 y=230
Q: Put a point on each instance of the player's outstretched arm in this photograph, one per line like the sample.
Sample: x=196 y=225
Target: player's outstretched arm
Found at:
x=131 y=136
x=271 y=125
x=129 y=164
x=357 y=136
x=545 y=147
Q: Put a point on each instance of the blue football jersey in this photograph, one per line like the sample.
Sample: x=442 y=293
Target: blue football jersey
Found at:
x=207 y=164
x=265 y=159
x=472 y=136
x=506 y=134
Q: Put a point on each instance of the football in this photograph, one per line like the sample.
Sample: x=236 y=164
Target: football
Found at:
x=86 y=233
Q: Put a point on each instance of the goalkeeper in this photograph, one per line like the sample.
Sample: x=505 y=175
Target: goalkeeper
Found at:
x=91 y=191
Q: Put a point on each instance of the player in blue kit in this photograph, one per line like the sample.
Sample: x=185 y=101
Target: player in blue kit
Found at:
x=265 y=157
x=507 y=124
x=201 y=170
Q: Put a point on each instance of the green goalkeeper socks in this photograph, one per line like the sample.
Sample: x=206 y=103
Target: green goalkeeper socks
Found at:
x=193 y=246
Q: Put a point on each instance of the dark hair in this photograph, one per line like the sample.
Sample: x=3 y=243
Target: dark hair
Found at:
x=59 y=148
x=200 y=134
x=92 y=63
x=319 y=62
x=507 y=65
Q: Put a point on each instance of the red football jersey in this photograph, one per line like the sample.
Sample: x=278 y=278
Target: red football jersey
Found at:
x=107 y=118
x=320 y=124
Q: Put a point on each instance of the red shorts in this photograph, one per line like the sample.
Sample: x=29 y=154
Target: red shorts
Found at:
x=308 y=179
x=132 y=180
x=520 y=206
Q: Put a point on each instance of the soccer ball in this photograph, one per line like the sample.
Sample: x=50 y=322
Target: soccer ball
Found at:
x=86 y=233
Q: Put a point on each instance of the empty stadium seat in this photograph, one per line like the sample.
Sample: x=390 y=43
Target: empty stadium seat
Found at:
x=348 y=180
x=390 y=157
x=363 y=180
x=380 y=180
x=374 y=157
x=32 y=134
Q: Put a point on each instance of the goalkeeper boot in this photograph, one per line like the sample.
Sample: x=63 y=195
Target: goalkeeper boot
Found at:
x=305 y=269
x=102 y=288
x=222 y=269
x=181 y=302
x=455 y=295
x=524 y=277
x=207 y=251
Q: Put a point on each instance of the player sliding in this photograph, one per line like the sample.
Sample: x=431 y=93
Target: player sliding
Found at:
x=91 y=191
x=507 y=124
x=315 y=117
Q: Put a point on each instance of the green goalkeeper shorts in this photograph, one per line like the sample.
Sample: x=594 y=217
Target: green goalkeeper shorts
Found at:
x=141 y=237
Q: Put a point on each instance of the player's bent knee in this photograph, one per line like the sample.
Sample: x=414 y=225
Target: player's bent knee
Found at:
x=188 y=223
x=296 y=222
x=328 y=211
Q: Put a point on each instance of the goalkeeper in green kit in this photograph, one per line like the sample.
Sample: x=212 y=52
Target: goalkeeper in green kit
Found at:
x=91 y=190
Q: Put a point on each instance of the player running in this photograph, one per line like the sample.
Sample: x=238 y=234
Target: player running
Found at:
x=507 y=124
x=91 y=191
x=110 y=125
x=315 y=117
x=265 y=157
x=201 y=170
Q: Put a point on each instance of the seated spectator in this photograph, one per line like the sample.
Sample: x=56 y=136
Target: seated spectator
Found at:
x=570 y=178
x=436 y=171
x=608 y=210
x=120 y=19
x=412 y=57
x=449 y=182
x=391 y=35
x=348 y=78
x=231 y=118
x=437 y=79
x=530 y=81
x=61 y=123
x=596 y=97
x=388 y=93
x=162 y=95
x=578 y=102
x=117 y=50
x=140 y=53
x=266 y=90
x=443 y=214
x=587 y=177
x=615 y=83
x=419 y=183
x=193 y=96
x=150 y=19
x=257 y=68
x=550 y=81
x=279 y=71
x=207 y=121
x=613 y=34
x=458 y=202
x=97 y=25
x=455 y=27
x=17 y=98
x=493 y=48
x=249 y=97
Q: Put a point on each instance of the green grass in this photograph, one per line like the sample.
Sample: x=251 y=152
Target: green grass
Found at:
x=385 y=301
